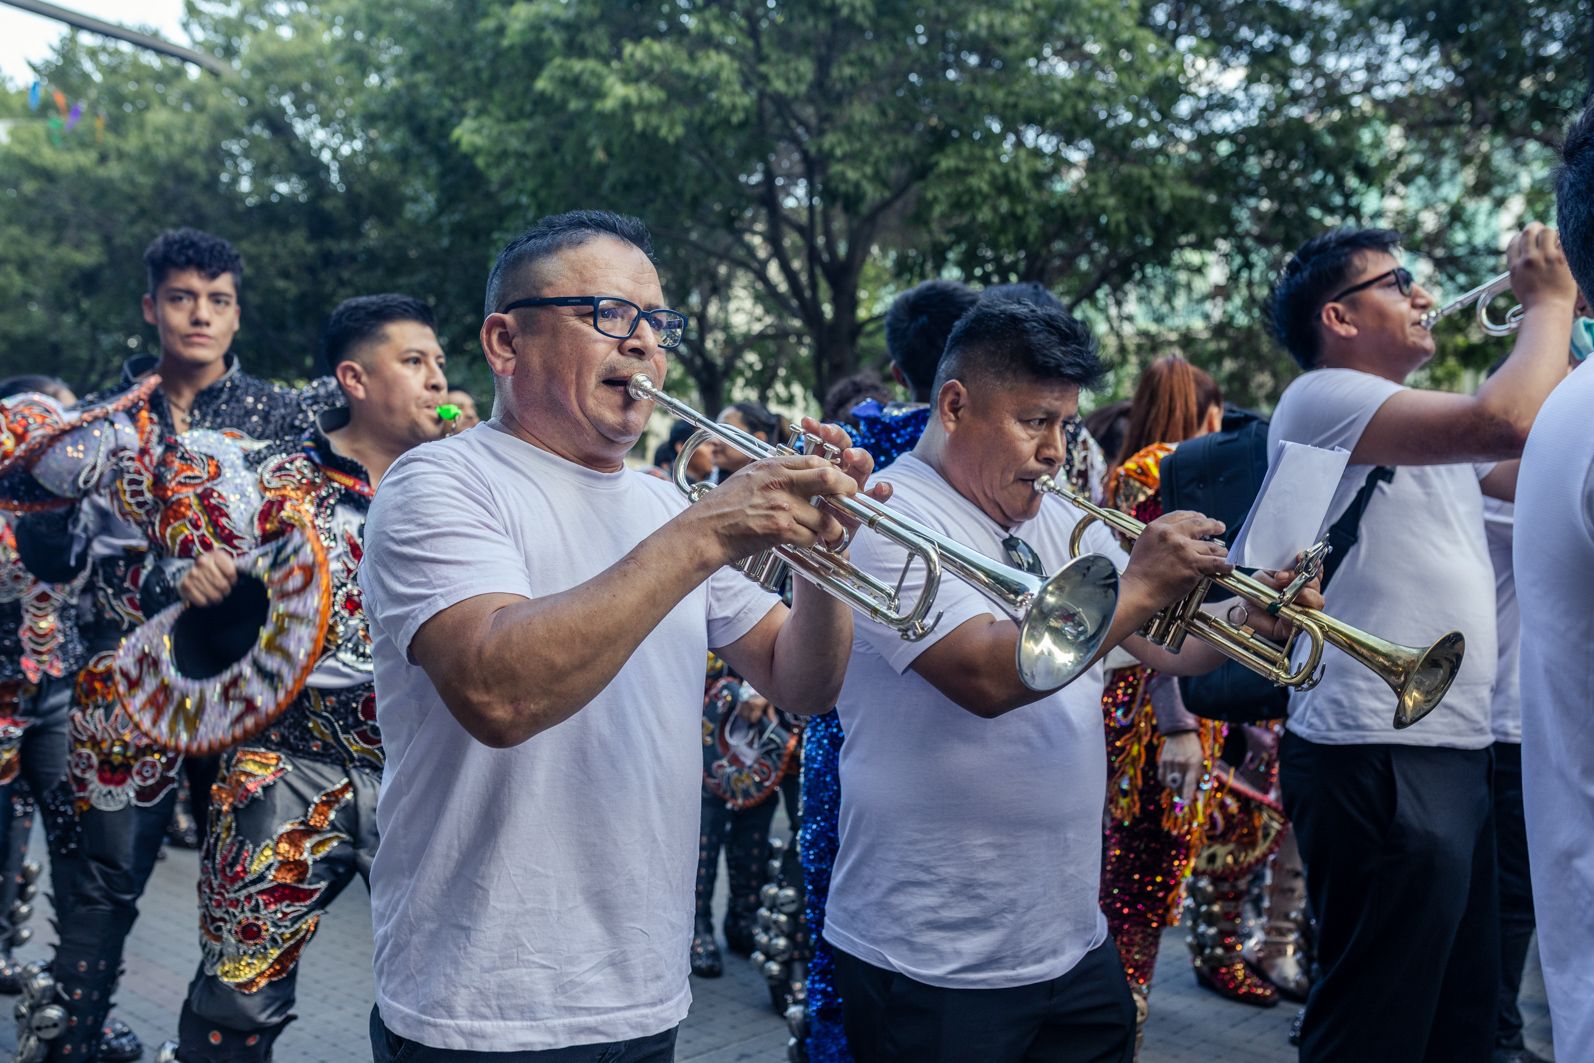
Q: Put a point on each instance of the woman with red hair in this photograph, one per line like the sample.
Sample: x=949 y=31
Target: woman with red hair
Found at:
x=1171 y=806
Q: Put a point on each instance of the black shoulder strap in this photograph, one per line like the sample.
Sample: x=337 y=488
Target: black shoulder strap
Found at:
x=1347 y=529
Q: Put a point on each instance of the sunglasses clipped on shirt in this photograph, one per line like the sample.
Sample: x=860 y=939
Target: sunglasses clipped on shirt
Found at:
x=1022 y=555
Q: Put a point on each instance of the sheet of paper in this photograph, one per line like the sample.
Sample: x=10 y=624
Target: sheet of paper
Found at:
x=1291 y=507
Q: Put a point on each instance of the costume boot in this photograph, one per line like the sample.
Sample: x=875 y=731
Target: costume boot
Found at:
x=201 y=1041
x=746 y=854
x=1281 y=954
x=1216 y=940
x=705 y=956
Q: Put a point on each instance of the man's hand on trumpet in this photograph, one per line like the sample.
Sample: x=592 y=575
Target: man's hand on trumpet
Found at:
x=774 y=501
x=1259 y=619
x=1174 y=553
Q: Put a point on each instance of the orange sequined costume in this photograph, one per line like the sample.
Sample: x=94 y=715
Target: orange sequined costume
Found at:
x=1154 y=840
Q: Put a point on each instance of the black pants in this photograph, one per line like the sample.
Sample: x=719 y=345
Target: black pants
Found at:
x=1398 y=843
x=126 y=790
x=41 y=782
x=1084 y=1016
x=389 y=1047
x=1515 y=886
x=744 y=835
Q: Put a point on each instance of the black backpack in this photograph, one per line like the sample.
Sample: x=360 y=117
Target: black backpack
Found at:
x=1220 y=475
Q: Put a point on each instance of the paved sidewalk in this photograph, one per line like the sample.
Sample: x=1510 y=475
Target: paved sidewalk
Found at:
x=731 y=1019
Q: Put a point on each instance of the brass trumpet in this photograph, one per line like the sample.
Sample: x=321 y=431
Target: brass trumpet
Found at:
x=1419 y=677
x=1062 y=619
x=1482 y=295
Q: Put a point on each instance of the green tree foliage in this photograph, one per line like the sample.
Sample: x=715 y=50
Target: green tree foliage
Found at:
x=1150 y=162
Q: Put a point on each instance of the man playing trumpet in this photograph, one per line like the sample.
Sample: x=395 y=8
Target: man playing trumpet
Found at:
x=964 y=904
x=1395 y=825
x=540 y=617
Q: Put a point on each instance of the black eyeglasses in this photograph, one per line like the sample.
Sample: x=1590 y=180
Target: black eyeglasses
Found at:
x=1023 y=555
x=615 y=317
x=1402 y=277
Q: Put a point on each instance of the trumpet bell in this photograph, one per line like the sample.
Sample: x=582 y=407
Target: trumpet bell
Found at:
x=1428 y=680
x=1066 y=622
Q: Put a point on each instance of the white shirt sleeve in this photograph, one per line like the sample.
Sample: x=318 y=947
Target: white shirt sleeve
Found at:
x=1330 y=407
x=433 y=539
x=735 y=606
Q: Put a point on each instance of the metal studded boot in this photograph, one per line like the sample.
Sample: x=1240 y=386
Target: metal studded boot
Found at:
x=1216 y=917
x=745 y=858
x=13 y=931
x=705 y=955
x=1281 y=953
x=201 y=1041
x=42 y=1018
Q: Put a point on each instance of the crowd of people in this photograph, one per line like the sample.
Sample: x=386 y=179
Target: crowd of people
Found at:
x=367 y=635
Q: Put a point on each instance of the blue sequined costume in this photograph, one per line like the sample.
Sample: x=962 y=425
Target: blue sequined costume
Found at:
x=886 y=432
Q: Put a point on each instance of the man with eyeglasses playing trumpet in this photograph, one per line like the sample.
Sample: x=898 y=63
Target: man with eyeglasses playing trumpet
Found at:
x=1394 y=825
x=540 y=616
x=963 y=908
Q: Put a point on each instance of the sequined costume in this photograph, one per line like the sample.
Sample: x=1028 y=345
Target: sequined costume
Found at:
x=743 y=772
x=1153 y=840
x=294 y=816
x=886 y=432
x=40 y=651
x=147 y=501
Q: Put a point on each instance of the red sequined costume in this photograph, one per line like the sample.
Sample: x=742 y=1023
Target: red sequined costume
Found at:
x=1154 y=840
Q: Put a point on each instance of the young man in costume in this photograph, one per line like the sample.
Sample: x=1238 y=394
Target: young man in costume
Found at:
x=164 y=483
x=295 y=818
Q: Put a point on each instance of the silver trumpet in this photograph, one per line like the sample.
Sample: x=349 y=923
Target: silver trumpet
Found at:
x=1482 y=296
x=1062 y=619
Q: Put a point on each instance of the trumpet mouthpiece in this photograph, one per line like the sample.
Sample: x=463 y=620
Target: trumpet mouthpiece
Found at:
x=639 y=386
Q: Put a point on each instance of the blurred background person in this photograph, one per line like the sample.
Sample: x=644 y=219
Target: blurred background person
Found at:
x=701 y=466
x=468 y=417
x=1163 y=793
x=752 y=417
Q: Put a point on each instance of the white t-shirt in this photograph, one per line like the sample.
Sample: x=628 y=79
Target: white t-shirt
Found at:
x=539 y=896
x=1505 y=716
x=1419 y=569
x=970 y=849
x=1555 y=581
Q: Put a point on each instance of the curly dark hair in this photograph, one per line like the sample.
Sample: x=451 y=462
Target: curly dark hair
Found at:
x=179 y=249
x=917 y=325
x=1574 y=199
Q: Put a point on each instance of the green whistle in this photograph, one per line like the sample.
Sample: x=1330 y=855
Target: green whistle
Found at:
x=447 y=411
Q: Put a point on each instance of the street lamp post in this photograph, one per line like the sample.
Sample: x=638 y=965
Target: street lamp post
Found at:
x=122 y=33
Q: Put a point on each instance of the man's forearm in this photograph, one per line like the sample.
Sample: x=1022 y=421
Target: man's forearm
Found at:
x=809 y=657
x=1537 y=364
x=537 y=662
